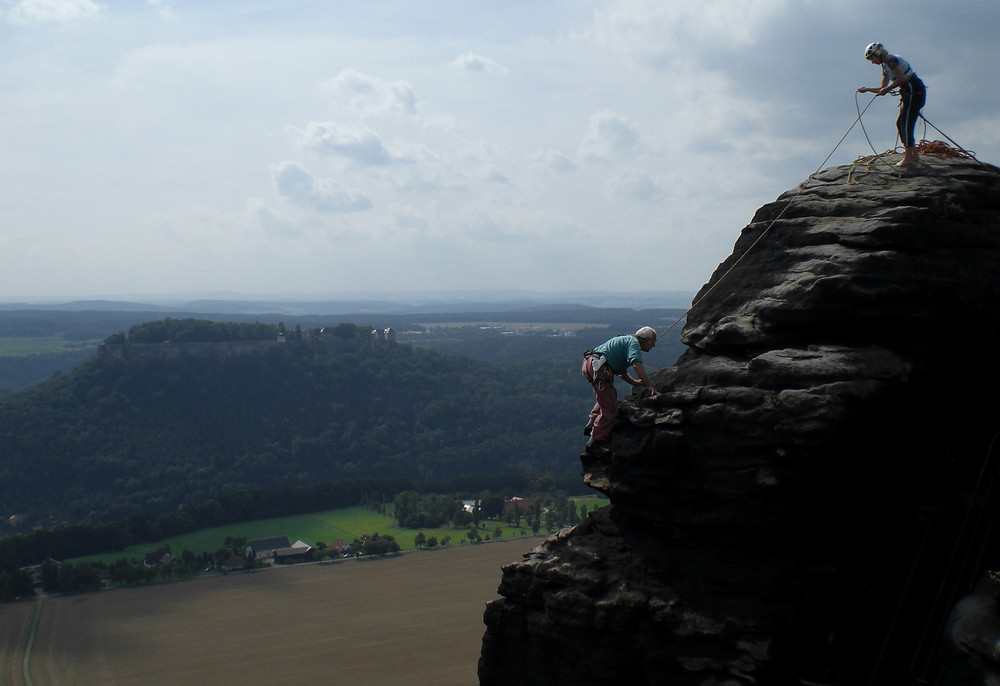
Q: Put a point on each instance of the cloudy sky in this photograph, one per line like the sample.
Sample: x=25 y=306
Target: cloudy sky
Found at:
x=319 y=148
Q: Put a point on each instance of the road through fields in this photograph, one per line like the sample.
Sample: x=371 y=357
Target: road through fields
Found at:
x=415 y=619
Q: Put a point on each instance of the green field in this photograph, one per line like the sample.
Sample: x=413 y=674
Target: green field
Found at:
x=346 y=524
x=19 y=347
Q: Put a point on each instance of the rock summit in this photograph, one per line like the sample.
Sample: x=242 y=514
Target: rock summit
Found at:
x=809 y=497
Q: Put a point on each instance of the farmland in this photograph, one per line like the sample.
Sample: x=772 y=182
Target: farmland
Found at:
x=19 y=347
x=328 y=526
x=413 y=619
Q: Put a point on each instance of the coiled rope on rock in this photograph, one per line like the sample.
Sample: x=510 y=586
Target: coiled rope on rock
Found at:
x=924 y=147
x=942 y=149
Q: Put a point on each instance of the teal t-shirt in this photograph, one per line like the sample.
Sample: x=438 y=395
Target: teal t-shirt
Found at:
x=621 y=352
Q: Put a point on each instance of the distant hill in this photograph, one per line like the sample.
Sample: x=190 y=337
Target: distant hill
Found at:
x=409 y=302
x=80 y=326
x=129 y=430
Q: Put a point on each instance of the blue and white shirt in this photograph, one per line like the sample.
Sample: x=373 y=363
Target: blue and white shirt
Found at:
x=890 y=63
x=621 y=352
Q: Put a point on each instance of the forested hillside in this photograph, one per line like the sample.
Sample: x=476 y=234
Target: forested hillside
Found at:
x=35 y=344
x=151 y=432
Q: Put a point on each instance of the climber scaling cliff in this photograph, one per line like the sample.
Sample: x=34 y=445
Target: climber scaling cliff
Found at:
x=768 y=506
x=600 y=367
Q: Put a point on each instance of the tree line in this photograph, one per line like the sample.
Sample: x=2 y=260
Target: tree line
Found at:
x=117 y=436
x=126 y=451
x=550 y=511
x=191 y=330
x=412 y=509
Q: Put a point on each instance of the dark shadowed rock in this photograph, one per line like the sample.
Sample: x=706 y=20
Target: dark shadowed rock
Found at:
x=803 y=502
x=971 y=641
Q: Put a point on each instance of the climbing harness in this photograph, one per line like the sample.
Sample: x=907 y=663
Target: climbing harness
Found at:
x=924 y=147
x=598 y=373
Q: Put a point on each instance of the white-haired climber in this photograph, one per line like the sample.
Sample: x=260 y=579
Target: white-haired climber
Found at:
x=601 y=365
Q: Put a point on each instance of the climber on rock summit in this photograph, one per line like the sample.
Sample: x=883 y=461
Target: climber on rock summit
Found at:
x=897 y=73
x=601 y=365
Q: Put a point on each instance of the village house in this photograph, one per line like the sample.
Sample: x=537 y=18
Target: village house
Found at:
x=300 y=551
x=233 y=563
x=263 y=549
x=157 y=558
x=523 y=504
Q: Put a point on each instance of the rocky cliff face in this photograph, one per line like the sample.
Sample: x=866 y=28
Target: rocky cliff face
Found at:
x=809 y=496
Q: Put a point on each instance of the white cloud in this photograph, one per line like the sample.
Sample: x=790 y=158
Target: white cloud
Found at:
x=275 y=226
x=664 y=34
x=477 y=63
x=636 y=186
x=555 y=161
x=357 y=143
x=297 y=186
x=496 y=175
x=431 y=179
x=371 y=95
x=610 y=135
x=537 y=127
x=56 y=11
x=162 y=8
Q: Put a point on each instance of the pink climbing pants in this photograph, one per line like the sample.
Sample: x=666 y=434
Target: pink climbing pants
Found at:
x=605 y=411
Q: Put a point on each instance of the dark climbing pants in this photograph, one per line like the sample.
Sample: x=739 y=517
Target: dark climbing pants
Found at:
x=912 y=96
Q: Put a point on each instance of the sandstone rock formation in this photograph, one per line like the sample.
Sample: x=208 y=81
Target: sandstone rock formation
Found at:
x=807 y=499
x=971 y=642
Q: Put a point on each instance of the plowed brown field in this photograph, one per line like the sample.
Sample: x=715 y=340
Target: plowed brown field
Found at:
x=415 y=619
x=15 y=626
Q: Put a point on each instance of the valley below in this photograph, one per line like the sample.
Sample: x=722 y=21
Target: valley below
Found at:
x=414 y=619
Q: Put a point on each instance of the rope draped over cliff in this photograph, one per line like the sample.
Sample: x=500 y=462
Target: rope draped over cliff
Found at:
x=924 y=147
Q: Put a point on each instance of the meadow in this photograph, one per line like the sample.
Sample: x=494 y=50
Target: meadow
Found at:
x=11 y=346
x=328 y=526
x=413 y=619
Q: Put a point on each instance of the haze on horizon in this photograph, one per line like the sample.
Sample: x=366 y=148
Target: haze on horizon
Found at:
x=173 y=146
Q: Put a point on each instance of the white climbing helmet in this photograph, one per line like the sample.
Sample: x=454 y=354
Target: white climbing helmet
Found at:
x=874 y=50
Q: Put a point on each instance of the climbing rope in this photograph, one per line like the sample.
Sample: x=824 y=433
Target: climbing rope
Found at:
x=926 y=147
x=869 y=160
x=759 y=238
x=923 y=147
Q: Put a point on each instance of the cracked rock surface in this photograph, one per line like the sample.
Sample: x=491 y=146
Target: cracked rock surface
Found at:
x=835 y=405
